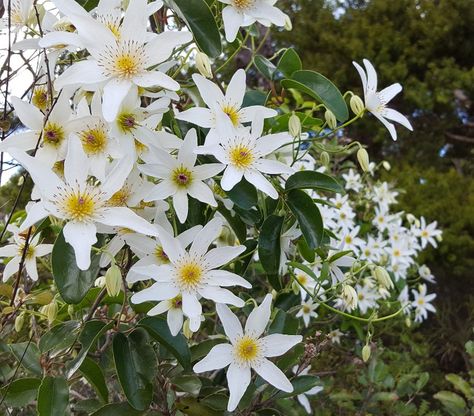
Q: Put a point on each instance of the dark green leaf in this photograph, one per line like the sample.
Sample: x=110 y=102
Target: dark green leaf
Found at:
x=234 y=221
x=254 y=97
x=264 y=66
x=280 y=123
x=200 y=350
x=94 y=375
x=117 y=409
x=28 y=355
x=306 y=252
x=284 y=323
x=200 y=20
x=243 y=194
x=321 y=89
x=301 y=384
x=135 y=363
x=53 y=396
x=88 y=4
x=289 y=63
x=303 y=268
x=59 y=337
x=308 y=179
x=72 y=282
x=269 y=248
x=178 y=346
x=242 y=265
x=187 y=383
x=21 y=392
x=308 y=216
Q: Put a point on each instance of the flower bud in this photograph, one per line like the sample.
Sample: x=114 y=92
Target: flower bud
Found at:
x=295 y=287
x=357 y=105
x=294 y=125
x=186 y=330
x=366 y=353
x=330 y=119
x=408 y=322
x=439 y=238
x=99 y=282
x=363 y=158
x=411 y=218
x=19 y=321
x=203 y=64
x=288 y=25
x=113 y=280
x=382 y=276
x=325 y=159
x=70 y=311
x=50 y=311
x=349 y=295
x=386 y=165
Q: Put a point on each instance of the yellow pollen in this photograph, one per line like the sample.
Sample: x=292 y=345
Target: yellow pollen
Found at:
x=190 y=274
x=396 y=253
x=360 y=296
x=177 y=302
x=241 y=156
x=161 y=255
x=424 y=233
x=243 y=4
x=182 y=177
x=126 y=66
x=233 y=113
x=114 y=29
x=125 y=230
x=302 y=279
x=421 y=301
x=30 y=251
x=53 y=134
x=79 y=206
x=119 y=199
x=348 y=239
x=126 y=122
x=40 y=98
x=94 y=141
x=140 y=147
x=343 y=215
x=306 y=309
x=247 y=349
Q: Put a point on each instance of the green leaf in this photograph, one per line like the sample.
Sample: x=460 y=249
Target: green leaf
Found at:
x=187 y=383
x=243 y=194
x=178 y=346
x=135 y=362
x=72 y=282
x=200 y=350
x=461 y=385
x=454 y=403
x=303 y=268
x=269 y=248
x=289 y=63
x=117 y=409
x=88 y=4
x=308 y=216
x=59 y=337
x=94 y=375
x=308 y=179
x=301 y=384
x=254 y=97
x=242 y=265
x=53 y=396
x=307 y=253
x=321 y=89
x=284 y=323
x=264 y=66
x=90 y=334
x=21 y=392
x=201 y=22
x=28 y=355
x=280 y=123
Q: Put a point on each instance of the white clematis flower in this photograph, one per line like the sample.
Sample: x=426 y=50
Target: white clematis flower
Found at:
x=248 y=350
x=421 y=303
x=229 y=104
x=241 y=13
x=192 y=274
x=78 y=201
x=181 y=177
x=376 y=101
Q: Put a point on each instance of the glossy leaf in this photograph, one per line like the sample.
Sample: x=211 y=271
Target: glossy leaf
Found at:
x=234 y=221
x=280 y=123
x=308 y=216
x=243 y=194
x=254 y=97
x=117 y=409
x=94 y=375
x=28 y=355
x=53 y=396
x=21 y=392
x=59 y=337
x=321 y=89
x=88 y=4
x=269 y=248
x=200 y=20
x=308 y=179
x=289 y=63
x=135 y=362
x=264 y=66
x=284 y=323
x=178 y=345
x=72 y=282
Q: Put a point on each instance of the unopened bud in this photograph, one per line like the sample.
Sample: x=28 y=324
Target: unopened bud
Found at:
x=439 y=238
x=408 y=322
x=203 y=64
x=113 y=280
x=294 y=125
x=19 y=321
x=382 y=276
x=363 y=158
x=411 y=218
x=349 y=295
x=100 y=282
x=325 y=158
x=296 y=287
x=50 y=311
x=186 y=330
x=366 y=353
x=70 y=311
x=357 y=105
x=288 y=25
x=330 y=119
x=386 y=165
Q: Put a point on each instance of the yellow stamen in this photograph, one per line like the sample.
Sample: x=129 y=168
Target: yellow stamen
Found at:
x=94 y=140
x=79 y=206
x=233 y=113
x=190 y=274
x=241 y=156
x=247 y=349
x=119 y=199
x=182 y=177
x=243 y=4
x=53 y=134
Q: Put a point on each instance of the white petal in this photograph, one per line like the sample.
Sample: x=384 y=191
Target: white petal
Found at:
x=117 y=176
x=222 y=255
x=186 y=155
x=54 y=39
x=83 y=72
x=236 y=89
x=36 y=212
x=28 y=114
x=362 y=75
x=232 y=22
x=278 y=344
x=206 y=236
x=268 y=12
x=30 y=266
x=218 y=294
x=259 y=317
x=160 y=48
x=389 y=126
x=388 y=93
x=81 y=236
x=171 y=246
x=156 y=292
x=238 y=379
x=260 y=182
x=207 y=171
x=219 y=356
x=231 y=177
x=156 y=78
x=114 y=93
x=162 y=307
x=22 y=141
x=76 y=165
x=398 y=117
x=202 y=193
x=247 y=114
x=180 y=205
x=230 y=322
x=9 y=251
x=161 y=191
x=269 y=143
x=11 y=268
x=225 y=278
x=273 y=375
x=272 y=167
x=210 y=92
x=125 y=217
x=200 y=116
x=191 y=305
x=371 y=75
x=135 y=21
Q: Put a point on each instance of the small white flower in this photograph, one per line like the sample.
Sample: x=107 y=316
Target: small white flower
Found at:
x=353 y=180
x=302 y=399
x=307 y=311
x=376 y=101
x=425 y=274
x=427 y=233
x=422 y=304
x=248 y=350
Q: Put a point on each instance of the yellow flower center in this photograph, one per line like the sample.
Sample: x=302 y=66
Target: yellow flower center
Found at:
x=343 y=216
x=126 y=65
x=30 y=251
x=232 y=112
x=40 y=98
x=114 y=28
x=247 y=349
x=182 y=177
x=161 y=255
x=140 y=147
x=306 y=309
x=126 y=122
x=397 y=253
x=421 y=301
x=424 y=233
x=79 y=206
x=241 y=156
x=177 y=302
x=302 y=279
x=360 y=296
x=348 y=239
x=94 y=140
x=119 y=199
x=53 y=134
x=190 y=275
x=243 y=4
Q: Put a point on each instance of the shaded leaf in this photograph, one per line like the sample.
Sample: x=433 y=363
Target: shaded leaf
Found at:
x=307 y=179
x=53 y=396
x=28 y=355
x=269 y=248
x=21 y=392
x=289 y=63
x=94 y=375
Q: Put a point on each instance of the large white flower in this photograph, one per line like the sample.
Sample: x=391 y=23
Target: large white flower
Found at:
x=229 y=103
x=123 y=61
x=15 y=251
x=248 y=350
x=77 y=200
x=376 y=101
x=244 y=152
x=241 y=13
x=180 y=177
x=192 y=273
